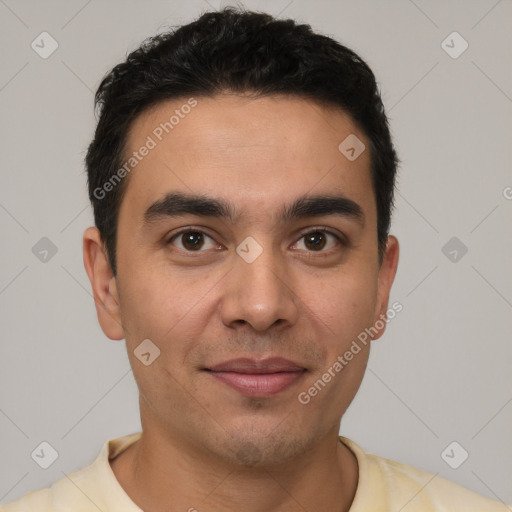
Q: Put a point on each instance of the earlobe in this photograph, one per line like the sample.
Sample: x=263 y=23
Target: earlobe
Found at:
x=386 y=277
x=103 y=284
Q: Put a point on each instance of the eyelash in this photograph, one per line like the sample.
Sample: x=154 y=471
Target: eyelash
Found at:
x=341 y=240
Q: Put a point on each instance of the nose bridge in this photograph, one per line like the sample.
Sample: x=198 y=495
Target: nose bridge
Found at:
x=259 y=293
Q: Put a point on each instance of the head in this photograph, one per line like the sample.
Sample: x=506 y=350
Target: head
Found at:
x=231 y=223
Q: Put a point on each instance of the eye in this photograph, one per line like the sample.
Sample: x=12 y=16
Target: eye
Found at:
x=192 y=241
x=318 y=241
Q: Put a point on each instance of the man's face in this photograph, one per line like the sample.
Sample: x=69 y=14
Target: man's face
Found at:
x=223 y=299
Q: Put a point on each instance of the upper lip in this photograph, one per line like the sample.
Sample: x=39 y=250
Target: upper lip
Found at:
x=253 y=366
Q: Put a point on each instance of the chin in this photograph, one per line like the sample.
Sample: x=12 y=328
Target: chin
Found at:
x=264 y=452
x=270 y=445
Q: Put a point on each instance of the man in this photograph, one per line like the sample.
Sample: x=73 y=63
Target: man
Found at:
x=242 y=176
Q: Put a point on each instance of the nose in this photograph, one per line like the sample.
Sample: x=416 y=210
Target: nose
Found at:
x=259 y=294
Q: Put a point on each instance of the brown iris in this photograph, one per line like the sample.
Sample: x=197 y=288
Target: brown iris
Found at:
x=315 y=241
x=192 y=240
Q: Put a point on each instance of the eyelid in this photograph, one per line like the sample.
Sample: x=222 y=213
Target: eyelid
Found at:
x=326 y=229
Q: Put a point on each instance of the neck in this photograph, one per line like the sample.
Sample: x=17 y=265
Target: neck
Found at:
x=159 y=472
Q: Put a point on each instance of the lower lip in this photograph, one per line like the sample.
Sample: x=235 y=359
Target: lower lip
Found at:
x=258 y=385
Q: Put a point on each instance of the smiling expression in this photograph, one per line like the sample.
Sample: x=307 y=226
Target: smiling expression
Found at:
x=247 y=253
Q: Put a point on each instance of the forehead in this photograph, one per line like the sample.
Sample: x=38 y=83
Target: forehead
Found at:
x=261 y=152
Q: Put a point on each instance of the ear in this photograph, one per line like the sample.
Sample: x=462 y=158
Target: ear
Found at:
x=386 y=277
x=103 y=284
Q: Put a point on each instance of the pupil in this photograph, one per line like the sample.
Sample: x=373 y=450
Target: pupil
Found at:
x=193 y=240
x=315 y=240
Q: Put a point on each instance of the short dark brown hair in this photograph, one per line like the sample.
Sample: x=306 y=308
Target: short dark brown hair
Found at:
x=234 y=51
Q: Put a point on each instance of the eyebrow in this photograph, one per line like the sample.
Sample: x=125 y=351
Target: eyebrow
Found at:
x=177 y=204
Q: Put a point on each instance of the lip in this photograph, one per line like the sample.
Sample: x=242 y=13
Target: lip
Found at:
x=254 y=378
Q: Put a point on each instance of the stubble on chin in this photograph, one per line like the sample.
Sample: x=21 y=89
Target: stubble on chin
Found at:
x=252 y=450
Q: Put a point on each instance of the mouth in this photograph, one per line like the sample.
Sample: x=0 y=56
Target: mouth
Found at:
x=253 y=378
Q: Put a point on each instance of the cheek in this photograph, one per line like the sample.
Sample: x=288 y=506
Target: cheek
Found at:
x=172 y=315
x=162 y=307
x=345 y=304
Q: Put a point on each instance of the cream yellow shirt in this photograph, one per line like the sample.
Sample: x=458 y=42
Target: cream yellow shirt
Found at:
x=384 y=485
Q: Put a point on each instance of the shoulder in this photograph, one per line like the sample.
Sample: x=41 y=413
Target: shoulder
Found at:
x=40 y=500
x=91 y=488
x=65 y=490
x=420 y=489
x=403 y=487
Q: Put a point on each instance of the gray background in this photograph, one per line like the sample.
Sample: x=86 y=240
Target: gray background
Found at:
x=442 y=371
